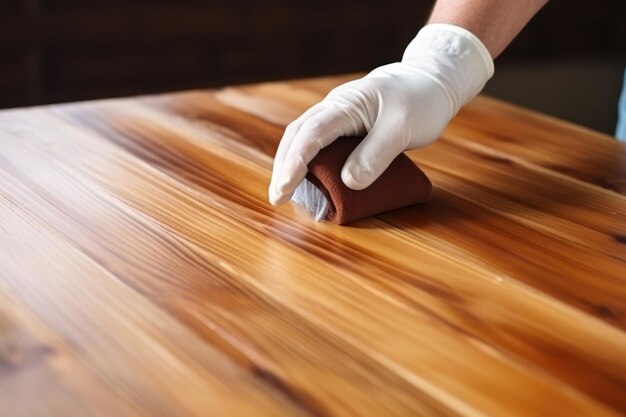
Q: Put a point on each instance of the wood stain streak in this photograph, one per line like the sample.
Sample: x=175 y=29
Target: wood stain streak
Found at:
x=156 y=208
x=280 y=384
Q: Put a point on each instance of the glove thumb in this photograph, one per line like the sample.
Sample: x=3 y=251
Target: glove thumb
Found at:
x=370 y=159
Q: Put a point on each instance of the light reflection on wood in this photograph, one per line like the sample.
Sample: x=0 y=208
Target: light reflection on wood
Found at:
x=137 y=240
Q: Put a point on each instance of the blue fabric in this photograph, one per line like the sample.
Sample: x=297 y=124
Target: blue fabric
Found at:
x=620 y=132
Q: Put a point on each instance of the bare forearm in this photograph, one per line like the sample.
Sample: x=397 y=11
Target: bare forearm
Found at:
x=495 y=22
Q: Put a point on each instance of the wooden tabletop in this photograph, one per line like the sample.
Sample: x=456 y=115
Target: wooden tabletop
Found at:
x=143 y=273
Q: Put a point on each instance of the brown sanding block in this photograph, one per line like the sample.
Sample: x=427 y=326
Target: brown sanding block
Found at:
x=402 y=184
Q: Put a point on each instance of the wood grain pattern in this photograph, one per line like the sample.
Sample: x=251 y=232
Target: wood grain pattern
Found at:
x=138 y=243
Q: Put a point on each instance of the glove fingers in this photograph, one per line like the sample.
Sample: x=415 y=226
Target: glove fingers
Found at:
x=290 y=132
x=315 y=133
x=371 y=158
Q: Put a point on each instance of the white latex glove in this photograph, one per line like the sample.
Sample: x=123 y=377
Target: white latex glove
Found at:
x=400 y=106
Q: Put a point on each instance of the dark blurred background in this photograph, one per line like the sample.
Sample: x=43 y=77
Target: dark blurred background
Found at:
x=568 y=62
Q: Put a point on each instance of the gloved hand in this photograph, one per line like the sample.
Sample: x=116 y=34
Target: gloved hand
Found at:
x=399 y=106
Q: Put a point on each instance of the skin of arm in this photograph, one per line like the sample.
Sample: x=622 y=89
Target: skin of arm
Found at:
x=494 y=22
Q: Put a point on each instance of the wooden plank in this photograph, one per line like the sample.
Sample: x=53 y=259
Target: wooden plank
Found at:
x=567 y=208
x=514 y=272
x=202 y=116
x=316 y=369
x=542 y=140
x=41 y=375
x=157 y=363
x=316 y=286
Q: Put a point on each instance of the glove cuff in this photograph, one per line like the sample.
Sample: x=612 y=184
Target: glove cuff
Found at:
x=454 y=58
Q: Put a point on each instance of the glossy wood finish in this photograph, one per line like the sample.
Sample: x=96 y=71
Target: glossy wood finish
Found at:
x=142 y=271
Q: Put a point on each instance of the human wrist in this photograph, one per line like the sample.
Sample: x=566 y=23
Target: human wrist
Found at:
x=454 y=58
